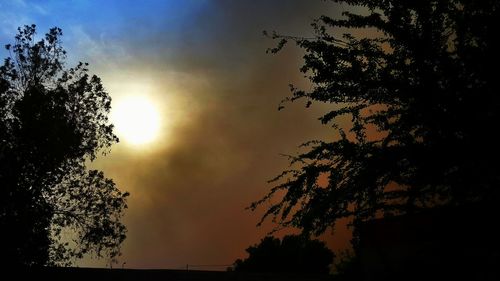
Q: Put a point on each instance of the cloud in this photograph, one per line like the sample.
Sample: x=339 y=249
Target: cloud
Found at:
x=188 y=199
x=20 y=3
x=10 y=20
x=40 y=9
x=100 y=52
x=17 y=13
x=206 y=66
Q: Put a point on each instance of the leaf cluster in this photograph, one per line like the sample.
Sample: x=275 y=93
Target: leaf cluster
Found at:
x=417 y=82
x=53 y=121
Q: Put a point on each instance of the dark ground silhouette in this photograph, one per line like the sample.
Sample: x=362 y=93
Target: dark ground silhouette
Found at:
x=85 y=274
x=442 y=243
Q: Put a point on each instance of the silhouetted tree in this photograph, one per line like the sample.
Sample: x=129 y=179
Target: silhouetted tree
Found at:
x=347 y=267
x=293 y=254
x=53 y=121
x=418 y=81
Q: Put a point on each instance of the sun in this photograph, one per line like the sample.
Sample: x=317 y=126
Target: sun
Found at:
x=136 y=120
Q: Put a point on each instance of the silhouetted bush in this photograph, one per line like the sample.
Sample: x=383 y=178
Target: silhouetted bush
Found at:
x=292 y=254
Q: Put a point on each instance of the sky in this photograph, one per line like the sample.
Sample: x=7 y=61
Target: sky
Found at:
x=202 y=65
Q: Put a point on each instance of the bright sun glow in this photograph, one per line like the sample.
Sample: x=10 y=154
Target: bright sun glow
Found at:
x=136 y=120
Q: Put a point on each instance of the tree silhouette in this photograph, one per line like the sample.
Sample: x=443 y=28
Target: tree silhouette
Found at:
x=293 y=254
x=418 y=82
x=53 y=121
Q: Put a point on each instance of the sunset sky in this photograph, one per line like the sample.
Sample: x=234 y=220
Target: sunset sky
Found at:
x=198 y=69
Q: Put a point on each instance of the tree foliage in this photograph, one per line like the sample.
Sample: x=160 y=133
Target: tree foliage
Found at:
x=418 y=82
x=53 y=121
x=292 y=254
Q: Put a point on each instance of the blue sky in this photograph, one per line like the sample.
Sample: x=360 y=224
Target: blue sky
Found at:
x=109 y=23
x=98 y=16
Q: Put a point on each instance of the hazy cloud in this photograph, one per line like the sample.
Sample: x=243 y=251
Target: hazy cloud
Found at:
x=206 y=67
